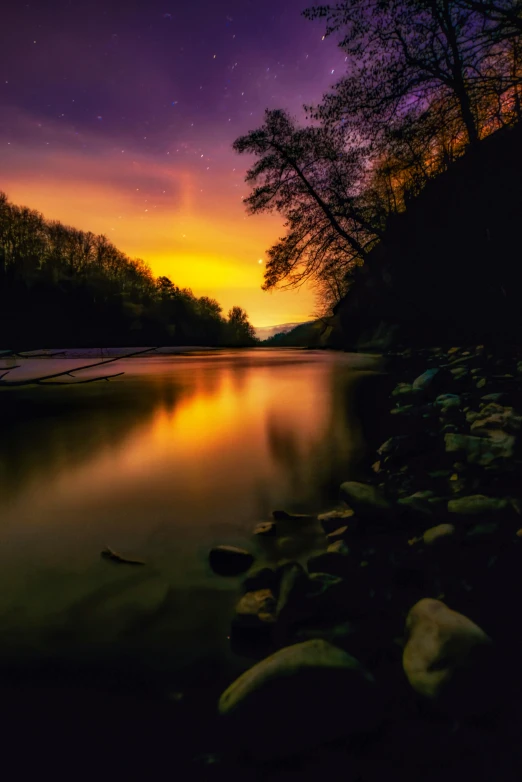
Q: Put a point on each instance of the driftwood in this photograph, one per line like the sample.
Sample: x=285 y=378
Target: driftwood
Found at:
x=112 y=556
x=68 y=372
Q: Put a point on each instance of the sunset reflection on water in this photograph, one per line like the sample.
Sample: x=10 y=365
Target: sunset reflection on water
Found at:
x=177 y=455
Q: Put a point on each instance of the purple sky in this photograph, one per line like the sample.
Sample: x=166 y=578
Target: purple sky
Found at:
x=119 y=118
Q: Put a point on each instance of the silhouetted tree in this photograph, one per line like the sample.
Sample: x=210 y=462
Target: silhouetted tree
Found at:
x=316 y=181
x=402 y=55
x=69 y=287
x=239 y=331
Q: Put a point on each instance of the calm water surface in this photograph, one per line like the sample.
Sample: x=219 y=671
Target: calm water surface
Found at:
x=179 y=454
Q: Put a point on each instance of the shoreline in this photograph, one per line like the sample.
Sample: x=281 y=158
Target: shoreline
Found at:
x=412 y=586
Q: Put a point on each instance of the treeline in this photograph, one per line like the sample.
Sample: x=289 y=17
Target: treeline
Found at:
x=63 y=287
x=426 y=82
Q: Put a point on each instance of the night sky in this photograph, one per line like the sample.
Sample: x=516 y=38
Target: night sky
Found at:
x=118 y=117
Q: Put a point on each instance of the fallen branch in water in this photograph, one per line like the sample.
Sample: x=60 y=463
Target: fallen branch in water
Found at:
x=16 y=366
x=68 y=372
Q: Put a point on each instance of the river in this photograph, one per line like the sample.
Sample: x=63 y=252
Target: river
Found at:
x=177 y=455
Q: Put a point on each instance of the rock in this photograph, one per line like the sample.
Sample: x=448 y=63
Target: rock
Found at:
x=402 y=409
x=319 y=583
x=335 y=518
x=112 y=556
x=447 y=401
x=495 y=417
x=390 y=446
x=398 y=448
x=229 y=560
x=257 y=607
x=262 y=578
x=333 y=562
x=439 y=473
x=477 y=505
x=282 y=515
x=424 y=381
x=418 y=502
x=464 y=360
x=293 y=700
x=403 y=389
x=366 y=501
x=252 y=629
x=336 y=535
x=339 y=547
x=446 y=657
x=481 y=450
x=498 y=397
x=442 y=533
x=266 y=529
x=459 y=372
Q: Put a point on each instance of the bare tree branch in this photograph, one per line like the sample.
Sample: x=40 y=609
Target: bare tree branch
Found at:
x=67 y=372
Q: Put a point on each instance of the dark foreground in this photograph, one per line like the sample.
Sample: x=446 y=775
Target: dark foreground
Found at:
x=380 y=691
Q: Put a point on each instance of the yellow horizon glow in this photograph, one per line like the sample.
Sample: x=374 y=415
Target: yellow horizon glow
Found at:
x=198 y=236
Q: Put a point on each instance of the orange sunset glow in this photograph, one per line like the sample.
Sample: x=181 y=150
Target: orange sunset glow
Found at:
x=134 y=140
x=173 y=221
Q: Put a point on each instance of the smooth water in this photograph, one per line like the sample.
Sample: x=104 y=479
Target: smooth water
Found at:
x=177 y=455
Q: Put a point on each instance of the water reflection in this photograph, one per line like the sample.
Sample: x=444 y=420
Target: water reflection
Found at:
x=179 y=454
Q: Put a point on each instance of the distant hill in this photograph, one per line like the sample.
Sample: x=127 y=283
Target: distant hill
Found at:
x=265 y=332
x=315 y=333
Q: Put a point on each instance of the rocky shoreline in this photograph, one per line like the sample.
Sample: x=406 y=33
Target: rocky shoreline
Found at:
x=393 y=645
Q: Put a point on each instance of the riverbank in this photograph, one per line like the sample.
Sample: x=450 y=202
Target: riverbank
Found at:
x=402 y=630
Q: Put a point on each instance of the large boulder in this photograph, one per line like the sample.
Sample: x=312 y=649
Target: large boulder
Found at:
x=298 y=698
x=447 y=658
x=366 y=500
x=229 y=560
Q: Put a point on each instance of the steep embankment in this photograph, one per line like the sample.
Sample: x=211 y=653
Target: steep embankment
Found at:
x=449 y=268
